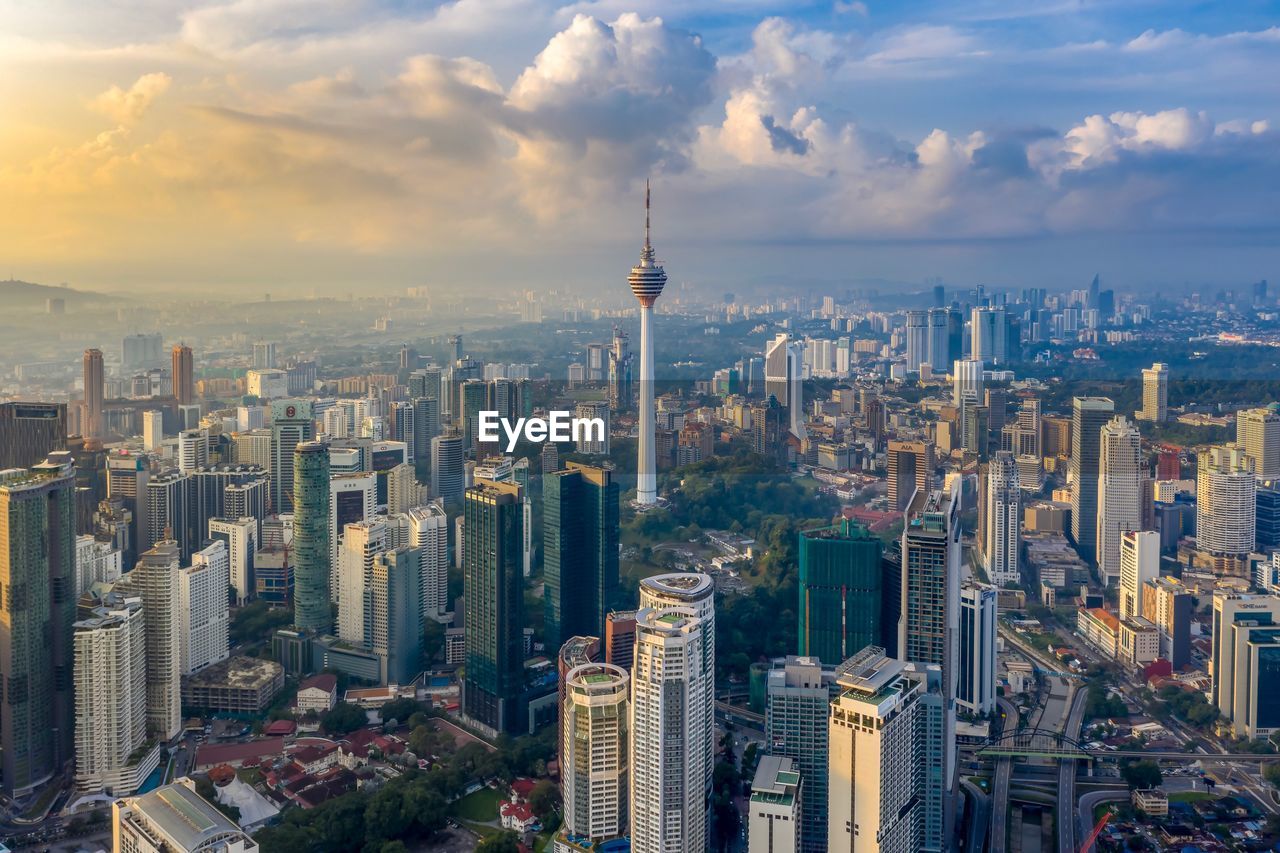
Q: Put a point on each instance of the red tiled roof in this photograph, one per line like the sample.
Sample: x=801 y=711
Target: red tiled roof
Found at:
x=519 y=811
x=280 y=727
x=326 y=681
x=236 y=753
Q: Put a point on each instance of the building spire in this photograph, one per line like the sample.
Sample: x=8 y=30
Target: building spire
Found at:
x=646 y=213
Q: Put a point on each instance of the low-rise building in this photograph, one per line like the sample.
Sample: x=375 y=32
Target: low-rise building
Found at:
x=773 y=821
x=1100 y=627
x=1137 y=642
x=238 y=685
x=1154 y=802
x=174 y=819
x=318 y=693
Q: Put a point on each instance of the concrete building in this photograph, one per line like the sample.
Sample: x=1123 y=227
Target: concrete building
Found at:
x=1235 y=615
x=175 y=819
x=1155 y=394
x=1258 y=435
x=842 y=585
x=1168 y=605
x=910 y=467
x=241 y=537
x=203 y=614
x=594 y=753
x=1088 y=416
x=429 y=536
x=773 y=818
x=1137 y=641
x=798 y=693
x=1120 y=479
x=1139 y=564
x=1003 y=540
x=353 y=497
x=1226 y=501
x=152 y=430
x=96 y=562
x=976 y=680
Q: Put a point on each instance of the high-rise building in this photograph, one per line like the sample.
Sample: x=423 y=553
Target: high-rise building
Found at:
x=671 y=734
x=31 y=431
x=110 y=672
x=917 y=339
x=646 y=280
x=1120 y=473
x=429 y=537
x=493 y=590
x=842 y=594
x=264 y=354
x=1258 y=435
x=96 y=562
x=362 y=542
x=193 y=449
x=175 y=818
x=203 y=616
x=989 y=339
x=1226 y=501
x=152 y=430
x=1245 y=658
x=620 y=392
x=773 y=819
x=588 y=441
x=910 y=467
x=580 y=559
x=1139 y=564
x=395 y=614
x=311 y=515
x=155 y=580
x=94 y=390
x=783 y=366
x=127 y=478
x=169 y=512
x=141 y=351
x=966 y=382
x=1088 y=416
x=1155 y=393
x=1167 y=604
x=1003 y=540
x=620 y=638
x=183 y=371
x=448 y=476
x=976 y=682
x=474 y=395
x=352 y=498
x=241 y=536
x=886 y=786
x=594 y=746
x=37 y=609
x=291 y=424
x=797 y=699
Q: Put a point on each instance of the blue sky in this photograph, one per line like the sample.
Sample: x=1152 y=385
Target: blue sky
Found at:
x=268 y=143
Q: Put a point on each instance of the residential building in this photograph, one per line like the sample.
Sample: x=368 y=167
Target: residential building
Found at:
x=203 y=615
x=1226 y=501
x=1155 y=394
x=1139 y=565
x=976 y=680
x=797 y=699
x=1003 y=540
x=594 y=753
x=773 y=812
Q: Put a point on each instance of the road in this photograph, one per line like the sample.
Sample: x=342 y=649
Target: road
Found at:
x=1000 y=790
x=979 y=816
x=1064 y=814
x=1084 y=813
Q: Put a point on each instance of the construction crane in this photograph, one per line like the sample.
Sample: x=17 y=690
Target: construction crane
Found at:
x=1093 y=836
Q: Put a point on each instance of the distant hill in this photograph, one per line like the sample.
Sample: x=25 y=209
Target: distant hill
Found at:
x=19 y=294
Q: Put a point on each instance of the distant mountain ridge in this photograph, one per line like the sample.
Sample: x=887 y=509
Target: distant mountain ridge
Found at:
x=16 y=292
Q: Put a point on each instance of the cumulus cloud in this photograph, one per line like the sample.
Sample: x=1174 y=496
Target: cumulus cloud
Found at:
x=127 y=106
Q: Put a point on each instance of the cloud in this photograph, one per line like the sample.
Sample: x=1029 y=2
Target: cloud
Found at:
x=128 y=106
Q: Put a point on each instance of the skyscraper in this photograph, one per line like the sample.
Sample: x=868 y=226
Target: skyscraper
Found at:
x=395 y=614
x=783 y=365
x=241 y=536
x=671 y=734
x=203 y=615
x=910 y=467
x=291 y=423
x=647 y=280
x=841 y=592
x=580 y=541
x=1258 y=434
x=1139 y=563
x=773 y=822
x=594 y=746
x=352 y=497
x=1120 y=469
x=966 y=382
x=474 y=394
x=37 y=572
x=976 y=681
x=311 y=509
x=155 y=580
x=447 y=471
x=1003 y=519
x=989 y=342
x=31 y=431
x=797 y=699
x=1226 y=501
x=1088 y=416
x=94 y=390
x=493 y=593
x=886 y=787
x=184 y=382
x=589 y=442
x=917 y=339
x=1155 y=393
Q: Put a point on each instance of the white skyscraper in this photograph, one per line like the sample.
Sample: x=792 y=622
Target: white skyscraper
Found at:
x=671 y=735
x=1226 y=501
x=1139 y=563
x=976 y=684
x=1004 y=519
x=647 y=280
x=110 y=673
x=594 y=751
x=352 y=498
x=362 y=542
x=429 y=534
x=193 y=449
x=1120 y=469
x=203 y=618
x=1155 y=393
x=966 y=382
x=96 y=562
x=152 y=430
x=783 y=379
x=155 y=581
x=241 y=536
x=1258 y=434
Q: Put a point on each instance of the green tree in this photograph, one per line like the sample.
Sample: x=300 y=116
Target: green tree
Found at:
x=344 y=718
x=1141 y=774
x=503 y=842
x=544 y=799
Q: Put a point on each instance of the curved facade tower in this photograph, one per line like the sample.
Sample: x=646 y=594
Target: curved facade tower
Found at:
x=647 y=280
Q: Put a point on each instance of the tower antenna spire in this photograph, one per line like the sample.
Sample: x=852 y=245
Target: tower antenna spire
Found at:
x=646 y=213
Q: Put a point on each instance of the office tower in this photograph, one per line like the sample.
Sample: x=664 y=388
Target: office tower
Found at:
x=429 y=536
x=493 y=585
x=767 y=431
x=203 y=617
x=426 y=426
x=1155 y=394
x=940 y=357
x=841 y=592
x=1003 y=538
x=291 y=424
x=1120 y=475
x=580 y=559
x=976 y=683
x=646 y=280
x=362 y=542
x=1258 y=434
x=31 y=431
x=241 y=537
x=671 y=733
x=169 y=513
x=395 y=614
x=138 y=351
x=1243 y=687
x=966 y=382
x=127 y=479
x=620 y=371
x=401 y=420
x=783 y=367
x=988 y=331
x=594 y=743
x=1139 y=563
x=37 y=572
x=1088 y=416
x=886 y=782
x=797 y=699
x=152 y=430
x=1167 y=604
x=110 y=673
x=1226 y=501
x=155 y=580
x=175 y=818
x=773 y=820
x=589 y=441
x=352 y=498
x=94 y=389
x=620 y=638
x=264 y=354
x=910 y=465
x=917 y=339
x=95 y=562
x=311 y=517
x=474 y=396
x=193 y=449
x=183 y=372
x=447 y=473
